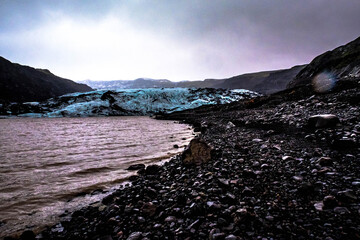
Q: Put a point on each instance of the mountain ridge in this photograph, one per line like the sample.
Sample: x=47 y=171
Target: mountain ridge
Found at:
x=341 y=63
x=264 y=82
x=19 y=83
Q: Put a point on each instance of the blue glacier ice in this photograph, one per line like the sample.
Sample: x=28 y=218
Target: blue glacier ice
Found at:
x=138 y=102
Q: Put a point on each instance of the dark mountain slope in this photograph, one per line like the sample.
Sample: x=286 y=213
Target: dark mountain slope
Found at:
x=20 y=83
x=264 y=82
x=342 y=62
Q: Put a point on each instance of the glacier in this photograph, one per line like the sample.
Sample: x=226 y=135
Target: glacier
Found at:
x=132 y=102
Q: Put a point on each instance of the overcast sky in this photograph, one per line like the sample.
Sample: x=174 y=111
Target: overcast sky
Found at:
x=177 y=40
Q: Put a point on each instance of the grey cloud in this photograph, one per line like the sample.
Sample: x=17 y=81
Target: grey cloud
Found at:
x=307 y=20
x=302 y=28
x=233 y=36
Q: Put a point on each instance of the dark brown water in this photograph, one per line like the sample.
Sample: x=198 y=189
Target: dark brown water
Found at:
x=45 y=163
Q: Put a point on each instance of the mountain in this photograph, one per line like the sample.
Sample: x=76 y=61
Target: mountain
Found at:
x=20 y=83
x=342 y=62
x=129 y=84
x=147 y=83
x=262 y=82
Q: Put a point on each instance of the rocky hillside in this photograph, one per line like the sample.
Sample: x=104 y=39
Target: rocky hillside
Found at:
x=20 y=83
x=342 y=62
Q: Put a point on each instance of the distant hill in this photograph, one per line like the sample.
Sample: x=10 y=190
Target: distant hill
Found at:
x=20 y=83
x=149 y=83
x=262 y=82
x=342 y=62
x=129 y=84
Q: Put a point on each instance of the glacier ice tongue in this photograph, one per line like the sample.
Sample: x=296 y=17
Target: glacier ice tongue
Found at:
x=128 y=102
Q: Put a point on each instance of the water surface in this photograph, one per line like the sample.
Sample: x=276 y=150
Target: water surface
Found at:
x=45 y=163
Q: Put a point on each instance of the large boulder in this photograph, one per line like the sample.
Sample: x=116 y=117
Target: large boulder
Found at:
x=323 y=121
x=197 y=153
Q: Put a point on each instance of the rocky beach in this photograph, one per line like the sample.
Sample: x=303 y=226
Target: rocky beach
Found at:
x=284 y=166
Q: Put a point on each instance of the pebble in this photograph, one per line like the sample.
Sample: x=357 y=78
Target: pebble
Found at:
x=319 y=206
x=265 y=165
x=325 y=161
x=356 y=183
x=346 y=196
x=298 y=178
x=287 y=158
x=217 y=236
x=170 y=219
x=341 y=210
x=231 y=237
x=106 y=237
x=330 y=201
x=135 y=236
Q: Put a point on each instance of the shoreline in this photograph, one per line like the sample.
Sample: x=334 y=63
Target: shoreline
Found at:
x=273 y=174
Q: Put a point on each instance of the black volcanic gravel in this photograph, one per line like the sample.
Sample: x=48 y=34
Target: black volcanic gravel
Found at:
x=272 y=176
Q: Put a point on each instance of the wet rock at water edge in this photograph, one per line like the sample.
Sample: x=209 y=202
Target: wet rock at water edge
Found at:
x=27 y=235
x=152 y=170
x=136 y=167
x=197 y=152
x=323 y=121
